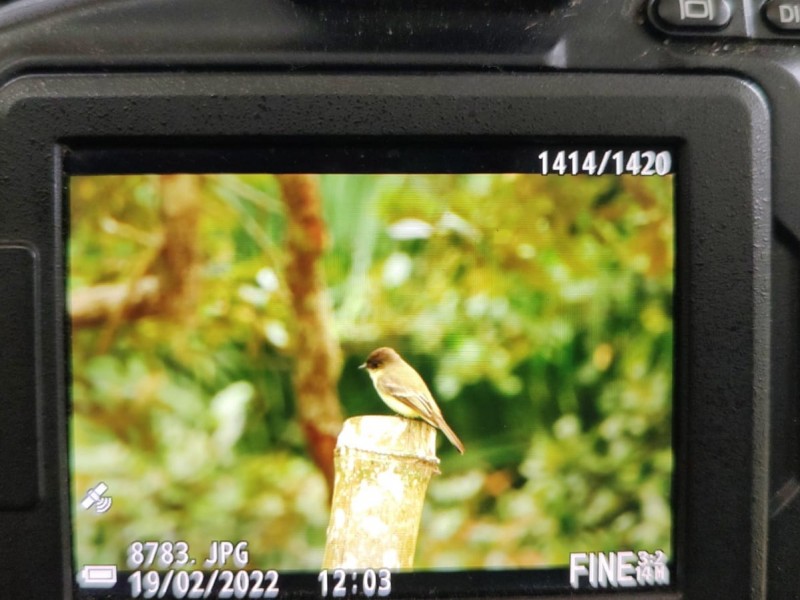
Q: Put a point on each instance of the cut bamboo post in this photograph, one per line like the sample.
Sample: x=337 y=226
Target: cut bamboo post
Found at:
x=383 y=465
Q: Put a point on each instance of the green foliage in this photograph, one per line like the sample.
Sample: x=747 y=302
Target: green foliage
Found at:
x=539 y=309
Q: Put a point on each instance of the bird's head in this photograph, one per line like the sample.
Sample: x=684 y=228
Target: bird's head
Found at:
x=379 y=358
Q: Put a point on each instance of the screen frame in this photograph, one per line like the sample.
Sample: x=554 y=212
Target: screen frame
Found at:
x=54 y=126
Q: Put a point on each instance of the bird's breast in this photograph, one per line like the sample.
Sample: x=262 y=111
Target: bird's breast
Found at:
x=398 y=407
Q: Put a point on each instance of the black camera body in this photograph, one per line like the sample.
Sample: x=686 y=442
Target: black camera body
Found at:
x=197 y=86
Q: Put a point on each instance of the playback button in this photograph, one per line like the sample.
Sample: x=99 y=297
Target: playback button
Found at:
x=694 y=14
x=783 y=15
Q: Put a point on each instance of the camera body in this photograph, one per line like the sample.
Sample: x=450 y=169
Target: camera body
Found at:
x=197 y=86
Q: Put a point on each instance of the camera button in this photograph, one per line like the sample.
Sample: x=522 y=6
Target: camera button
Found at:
x=694 y=14
x=19 y=442
x=783 y=14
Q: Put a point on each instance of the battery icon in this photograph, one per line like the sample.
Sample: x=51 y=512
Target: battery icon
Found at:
x=97 y=576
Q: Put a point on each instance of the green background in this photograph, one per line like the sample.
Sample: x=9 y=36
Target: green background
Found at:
x=538 y=309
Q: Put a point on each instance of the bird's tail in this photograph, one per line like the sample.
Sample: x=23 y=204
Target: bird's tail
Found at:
x=451 y=436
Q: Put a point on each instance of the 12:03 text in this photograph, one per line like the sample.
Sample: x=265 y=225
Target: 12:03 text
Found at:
x=366 y=583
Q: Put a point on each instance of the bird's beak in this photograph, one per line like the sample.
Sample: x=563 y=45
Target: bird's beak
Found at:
x=364 y=366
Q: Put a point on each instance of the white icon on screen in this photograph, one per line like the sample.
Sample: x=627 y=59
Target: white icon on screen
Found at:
x=97 y=576
x=94 y=497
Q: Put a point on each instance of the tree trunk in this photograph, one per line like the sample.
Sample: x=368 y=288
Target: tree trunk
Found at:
x=317 y=355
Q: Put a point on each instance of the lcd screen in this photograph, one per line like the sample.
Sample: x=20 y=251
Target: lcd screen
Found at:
x=218 y=323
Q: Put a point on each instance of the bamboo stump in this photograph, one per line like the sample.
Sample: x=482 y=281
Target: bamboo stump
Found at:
x=383 y=465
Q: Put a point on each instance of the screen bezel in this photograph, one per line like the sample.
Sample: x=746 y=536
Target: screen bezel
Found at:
x=53 y=127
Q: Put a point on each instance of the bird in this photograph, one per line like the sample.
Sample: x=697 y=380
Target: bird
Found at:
x=405 y=392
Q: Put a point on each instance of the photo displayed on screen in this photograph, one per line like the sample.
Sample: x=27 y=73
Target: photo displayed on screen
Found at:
x=218 y=323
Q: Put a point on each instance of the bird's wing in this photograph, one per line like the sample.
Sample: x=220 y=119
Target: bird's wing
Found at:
x=421 y=403
x=417 y=401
